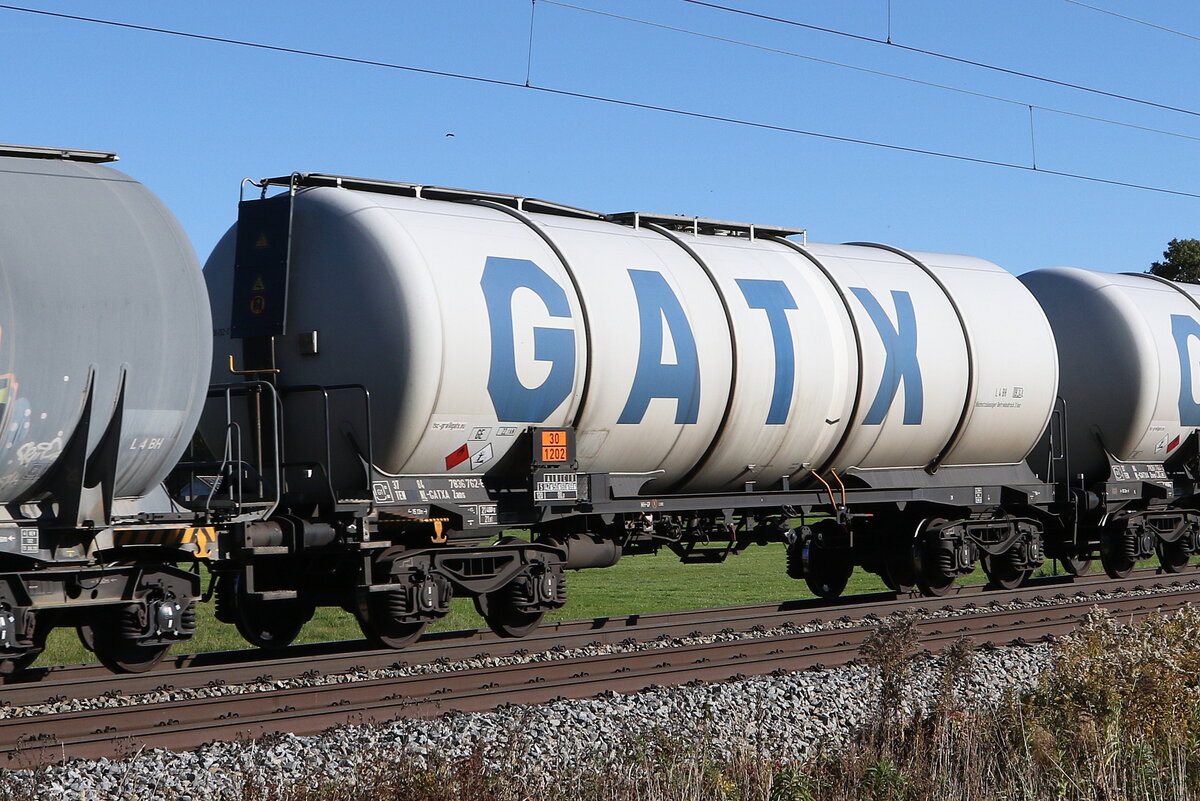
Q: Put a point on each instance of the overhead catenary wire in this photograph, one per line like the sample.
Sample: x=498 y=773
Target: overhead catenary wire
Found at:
x=867 y=70
x=944 y=56
x=491 y=81
x=1128 y=18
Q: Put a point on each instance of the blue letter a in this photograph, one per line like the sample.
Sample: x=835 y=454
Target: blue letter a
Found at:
x=900 y=344
x=656 y=303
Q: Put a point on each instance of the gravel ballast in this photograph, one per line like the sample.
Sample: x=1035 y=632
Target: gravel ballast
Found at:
x=786 y=716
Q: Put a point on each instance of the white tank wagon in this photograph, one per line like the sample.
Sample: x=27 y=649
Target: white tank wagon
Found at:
x=708 y=360
x=1129 y=346
x=104 y=346
x=620 y=363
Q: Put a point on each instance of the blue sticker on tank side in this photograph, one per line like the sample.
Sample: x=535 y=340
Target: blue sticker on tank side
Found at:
x=900 y=343
x=656 y=303
x=775 y=299
x=514 y=402
x=1182 y=327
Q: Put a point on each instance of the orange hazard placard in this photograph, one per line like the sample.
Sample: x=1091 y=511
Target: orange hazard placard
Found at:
x=554 y=453
x=554 y=446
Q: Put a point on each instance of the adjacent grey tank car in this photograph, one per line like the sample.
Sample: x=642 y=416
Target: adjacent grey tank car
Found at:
x=103 y=302
x=1129 y=345
x=104 y=341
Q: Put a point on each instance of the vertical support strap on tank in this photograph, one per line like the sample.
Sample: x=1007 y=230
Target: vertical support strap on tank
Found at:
x=961 y=426
x=100 y=473
x=858 y=388
x=83 y=485
x=562 y=260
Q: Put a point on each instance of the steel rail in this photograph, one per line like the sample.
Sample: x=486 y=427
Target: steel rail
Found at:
x=250 y=666
x=309 y=710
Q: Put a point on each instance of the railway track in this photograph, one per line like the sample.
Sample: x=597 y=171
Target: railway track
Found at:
x=370 y=698
x=39 y=685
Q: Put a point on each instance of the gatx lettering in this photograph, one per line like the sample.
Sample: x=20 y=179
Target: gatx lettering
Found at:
x=513 y=401
x=1184 y=328
x=775 y=299
x=901 y=365
x=657 y=304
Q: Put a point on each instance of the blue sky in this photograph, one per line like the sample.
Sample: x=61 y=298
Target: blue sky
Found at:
x=191 y=118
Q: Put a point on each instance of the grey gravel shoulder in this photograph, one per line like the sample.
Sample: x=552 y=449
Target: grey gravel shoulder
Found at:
x=786 y=716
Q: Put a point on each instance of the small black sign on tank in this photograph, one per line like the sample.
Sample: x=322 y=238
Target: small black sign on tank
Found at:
x=260 y=268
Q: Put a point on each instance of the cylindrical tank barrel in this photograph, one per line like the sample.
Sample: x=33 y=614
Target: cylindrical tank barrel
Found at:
x=1129 y=346
x=100 y=285
x=715 y=359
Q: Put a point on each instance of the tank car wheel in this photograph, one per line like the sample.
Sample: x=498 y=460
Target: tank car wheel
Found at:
x=1075 y=565
x=11 y=668
x=899 y=578
x=1002 y=574
x=503 y=617
x=271 y=624
x=1114 y=553
x=106 y=636
x=381 y=627
x=1172 y=556
x=263 y=624
x=826 y=570
x=898 y=572
x=929 y=559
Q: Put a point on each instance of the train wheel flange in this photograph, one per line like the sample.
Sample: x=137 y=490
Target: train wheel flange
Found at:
x=933 y=566
x=262 y=623
x=1172 y=556
x=382 y=627
x=898 y=573
x=503 y=616
x=112 y=635
x=826 y=570
x=1115 y=549
x=1002 y=573
x=1075 y=564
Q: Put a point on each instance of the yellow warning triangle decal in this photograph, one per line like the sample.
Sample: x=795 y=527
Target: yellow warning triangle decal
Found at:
x=262 y=242
x=259 y=286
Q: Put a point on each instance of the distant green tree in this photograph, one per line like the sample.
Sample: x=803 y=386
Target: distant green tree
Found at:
x=1181 y=261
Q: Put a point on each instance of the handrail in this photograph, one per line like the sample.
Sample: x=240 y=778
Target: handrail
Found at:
x=232 y=455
